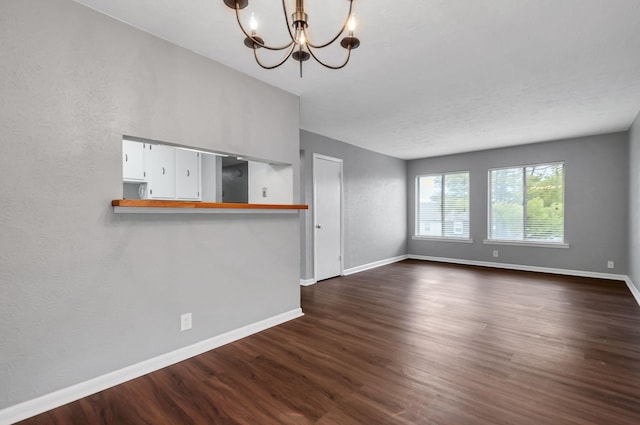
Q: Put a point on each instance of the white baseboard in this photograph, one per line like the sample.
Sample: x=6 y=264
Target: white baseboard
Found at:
x=61 y=397
x=307 y=282
x=373 y=265
x=568 y=272
x=635 y=290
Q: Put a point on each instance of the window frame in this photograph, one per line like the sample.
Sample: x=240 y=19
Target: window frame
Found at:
x=464 y=239
x=527 y=242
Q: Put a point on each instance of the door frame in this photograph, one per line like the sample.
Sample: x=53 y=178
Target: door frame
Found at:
x=316 y=157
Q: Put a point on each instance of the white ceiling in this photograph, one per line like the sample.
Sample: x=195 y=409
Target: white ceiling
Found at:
x=434 y=77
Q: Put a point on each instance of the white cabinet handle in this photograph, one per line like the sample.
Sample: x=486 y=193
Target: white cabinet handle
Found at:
x=187 y=173
x=126 y=157
x=318 y=226
x=163 y=170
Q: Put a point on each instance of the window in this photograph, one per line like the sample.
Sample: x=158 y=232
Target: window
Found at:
x=442 y=205
x=527 y=203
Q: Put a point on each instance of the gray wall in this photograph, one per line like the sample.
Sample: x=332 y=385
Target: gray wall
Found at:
x=634 y=202
x=375 y=202
x=596 y=203
x=83 y=291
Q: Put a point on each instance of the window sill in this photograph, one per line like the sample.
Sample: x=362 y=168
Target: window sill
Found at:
x=432 y=238
x=525 y=243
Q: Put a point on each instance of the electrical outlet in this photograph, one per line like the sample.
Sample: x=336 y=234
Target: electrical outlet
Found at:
x=495 y=253
x=185 y=322
x=610 y=264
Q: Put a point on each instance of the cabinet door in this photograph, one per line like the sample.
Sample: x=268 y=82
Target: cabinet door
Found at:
x=133 y=161
x=160 y=172
x=187 y=174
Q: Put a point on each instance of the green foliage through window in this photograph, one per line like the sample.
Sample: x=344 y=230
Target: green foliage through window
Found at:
x=442 y=205
x=527 y=203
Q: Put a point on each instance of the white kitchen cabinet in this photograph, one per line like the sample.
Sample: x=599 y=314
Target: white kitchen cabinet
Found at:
x=160 y=169
x=133 y=161
x=187 y=174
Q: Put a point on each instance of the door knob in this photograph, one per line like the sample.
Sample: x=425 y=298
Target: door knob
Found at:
x=318 y=226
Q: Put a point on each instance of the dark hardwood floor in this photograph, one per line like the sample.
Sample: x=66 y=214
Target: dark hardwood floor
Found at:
x=409 y=343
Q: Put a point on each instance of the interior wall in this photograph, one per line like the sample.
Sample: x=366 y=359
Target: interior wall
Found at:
x=84 y=291
x=596 y=204
x=375 y=202
x=634 y=202
x=270 y=183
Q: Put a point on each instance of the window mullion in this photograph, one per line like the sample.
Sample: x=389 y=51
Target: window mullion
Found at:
x=490 y=206
x=442 y=205
x=524 y=203
x=416 y=223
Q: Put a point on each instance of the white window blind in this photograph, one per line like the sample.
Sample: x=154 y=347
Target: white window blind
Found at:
x=442 y=205
x=527 y=203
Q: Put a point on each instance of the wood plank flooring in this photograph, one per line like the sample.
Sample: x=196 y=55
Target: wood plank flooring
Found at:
x=409 y=343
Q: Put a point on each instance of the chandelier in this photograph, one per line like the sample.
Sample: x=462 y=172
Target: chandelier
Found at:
x=299 y=47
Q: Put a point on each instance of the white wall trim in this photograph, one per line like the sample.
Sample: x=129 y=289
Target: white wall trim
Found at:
x=635 y=290
x=527 y=243
x=441 y=239
x=307 y=282
x=373 y=265
x=61 y=397
x=568 y=272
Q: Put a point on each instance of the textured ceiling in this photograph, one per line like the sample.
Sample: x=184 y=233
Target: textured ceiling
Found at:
x=434 y=77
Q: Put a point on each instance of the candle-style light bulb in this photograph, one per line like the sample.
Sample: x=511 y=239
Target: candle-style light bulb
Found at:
x=351 y=25
x=253 y=24
x=301 y=38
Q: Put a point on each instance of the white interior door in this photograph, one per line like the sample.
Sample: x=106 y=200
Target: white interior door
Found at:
x=327 y=204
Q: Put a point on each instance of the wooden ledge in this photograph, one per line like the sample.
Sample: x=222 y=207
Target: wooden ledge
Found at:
x=138 y=203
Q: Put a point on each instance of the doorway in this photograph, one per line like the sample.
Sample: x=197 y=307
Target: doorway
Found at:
x=327 y=217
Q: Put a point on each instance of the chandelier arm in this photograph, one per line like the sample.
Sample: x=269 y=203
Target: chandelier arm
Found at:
x=255 y=55
x=344 y=26
x=286 y=20
x=330 y=66
x=253 y=37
